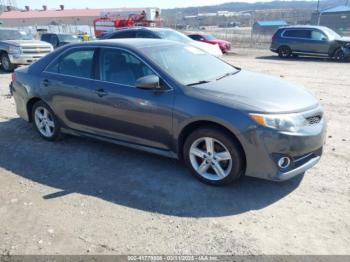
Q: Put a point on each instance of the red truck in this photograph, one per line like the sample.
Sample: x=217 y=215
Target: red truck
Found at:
x=111 y=21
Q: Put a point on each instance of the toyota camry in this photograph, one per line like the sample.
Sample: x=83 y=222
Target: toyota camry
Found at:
x=174 y=100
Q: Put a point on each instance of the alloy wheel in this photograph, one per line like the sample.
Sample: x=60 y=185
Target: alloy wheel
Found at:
x=285 y=52
x=339 y=55
x=5 y=63
x=210 y=158
x=44 y=122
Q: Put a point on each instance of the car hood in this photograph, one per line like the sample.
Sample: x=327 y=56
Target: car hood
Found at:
x=209 y=48
x=257 y=93
x=344 y=39
x=26 y=43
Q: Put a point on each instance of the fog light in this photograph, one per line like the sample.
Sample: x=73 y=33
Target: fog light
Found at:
x=284 y=162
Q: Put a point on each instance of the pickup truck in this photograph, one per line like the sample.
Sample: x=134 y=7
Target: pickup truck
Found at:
x=19 y=48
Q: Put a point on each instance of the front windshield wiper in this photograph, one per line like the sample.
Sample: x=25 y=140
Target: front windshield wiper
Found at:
x=226 y=75
x=199 y=83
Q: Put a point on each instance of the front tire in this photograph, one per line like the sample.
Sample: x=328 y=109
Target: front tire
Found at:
x=6 y=64
x=339 y=55
x=213 y=156
x=284 y=52
x=45 y=122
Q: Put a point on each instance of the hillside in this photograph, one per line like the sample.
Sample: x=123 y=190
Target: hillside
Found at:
x=240 y=6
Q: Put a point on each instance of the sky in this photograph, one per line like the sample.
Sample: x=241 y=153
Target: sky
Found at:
x=118 y=4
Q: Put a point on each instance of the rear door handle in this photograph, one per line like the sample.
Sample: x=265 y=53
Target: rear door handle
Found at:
x=46 y=82
x=101 y=92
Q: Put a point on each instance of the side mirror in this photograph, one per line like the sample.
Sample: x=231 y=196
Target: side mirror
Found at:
x=148 y=82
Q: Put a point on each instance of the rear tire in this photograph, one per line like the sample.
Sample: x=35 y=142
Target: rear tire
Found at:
x=6 y=64
x=213 y=156
x=46 y=122
x=284 y=52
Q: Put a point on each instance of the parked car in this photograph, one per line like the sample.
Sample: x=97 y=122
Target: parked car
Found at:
x=174 y=100
x=161 y=33
x=19 y=48
x=310 y=41
x=57 y=40
x=225 y=46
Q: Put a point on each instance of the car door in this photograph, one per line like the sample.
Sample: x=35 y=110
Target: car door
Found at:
x=67 y=85
x=124 y=112
x=320 y=42
x=298 y=40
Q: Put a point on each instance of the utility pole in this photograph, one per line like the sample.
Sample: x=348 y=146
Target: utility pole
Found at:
x=319 y=12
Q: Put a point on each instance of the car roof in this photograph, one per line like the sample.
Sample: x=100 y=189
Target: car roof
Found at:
x=304 y=27
x=135 y=28
x=131 y=43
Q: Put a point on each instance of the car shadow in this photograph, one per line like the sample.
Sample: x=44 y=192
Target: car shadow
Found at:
x=301 y=59
x=127 y=177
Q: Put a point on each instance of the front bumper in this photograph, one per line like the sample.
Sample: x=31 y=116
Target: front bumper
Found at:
x=25 y=59
x=264 y=147
x=346 y=51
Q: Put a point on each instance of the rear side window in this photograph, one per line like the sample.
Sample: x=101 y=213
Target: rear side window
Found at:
x=126 y=34
x=45 y=37
x=297 y=33
x=144 y=34
x=76 y=63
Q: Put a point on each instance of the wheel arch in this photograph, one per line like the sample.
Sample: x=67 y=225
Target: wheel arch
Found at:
x=191 y=127
x=31 y=102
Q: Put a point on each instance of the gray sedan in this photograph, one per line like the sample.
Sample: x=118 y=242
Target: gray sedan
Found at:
x=177 y=101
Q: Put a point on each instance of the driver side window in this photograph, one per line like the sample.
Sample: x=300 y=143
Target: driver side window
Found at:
x=318 y=35
x=122 y=68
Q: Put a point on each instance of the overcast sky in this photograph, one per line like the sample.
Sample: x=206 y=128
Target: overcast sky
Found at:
x=118 y=4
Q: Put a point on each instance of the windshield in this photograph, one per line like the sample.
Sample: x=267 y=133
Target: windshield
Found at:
x=189 y=65
x=210 y=37
x=331 y=34
x=173 y=36
x=8 y=34
x=68 y=38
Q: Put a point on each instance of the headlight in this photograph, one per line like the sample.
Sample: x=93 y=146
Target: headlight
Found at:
x=15 y=50
x=283 y=122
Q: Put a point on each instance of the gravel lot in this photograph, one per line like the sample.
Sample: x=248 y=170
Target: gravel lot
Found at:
x=80 y=196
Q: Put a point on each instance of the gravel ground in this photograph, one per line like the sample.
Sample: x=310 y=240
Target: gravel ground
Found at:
x=80 y=196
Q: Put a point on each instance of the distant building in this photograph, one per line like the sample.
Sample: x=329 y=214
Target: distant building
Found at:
x=337 y=18
x=28 y=17
x=268 y=27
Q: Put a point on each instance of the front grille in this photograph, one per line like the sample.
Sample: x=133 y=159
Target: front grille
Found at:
x=314 y=120
x=35 y=50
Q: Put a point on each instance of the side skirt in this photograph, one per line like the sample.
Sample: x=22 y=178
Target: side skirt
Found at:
x=152 y=150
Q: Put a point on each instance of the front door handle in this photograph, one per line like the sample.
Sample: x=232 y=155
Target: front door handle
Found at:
x=46 y=82
x=101 y=92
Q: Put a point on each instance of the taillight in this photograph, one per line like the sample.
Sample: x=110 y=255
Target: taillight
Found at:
x=13 y=77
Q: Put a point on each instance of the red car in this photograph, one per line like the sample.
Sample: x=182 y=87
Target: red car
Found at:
x=225 y=46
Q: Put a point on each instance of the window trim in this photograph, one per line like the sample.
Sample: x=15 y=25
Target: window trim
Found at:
x=303 y=38
x=295 y=29
x=78 y=48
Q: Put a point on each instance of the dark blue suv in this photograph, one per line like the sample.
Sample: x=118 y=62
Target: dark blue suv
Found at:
x=310 y=41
